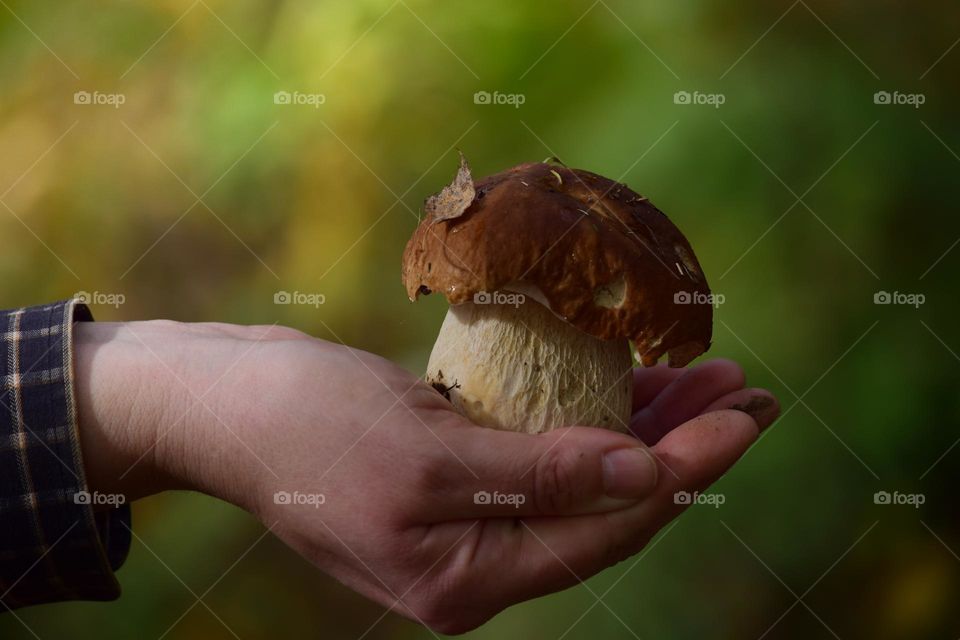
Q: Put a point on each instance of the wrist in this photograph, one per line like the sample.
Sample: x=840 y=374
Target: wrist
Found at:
x=152 y=414
x=118 y=413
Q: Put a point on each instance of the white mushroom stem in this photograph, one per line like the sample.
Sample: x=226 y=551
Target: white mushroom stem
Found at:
x=521 y=368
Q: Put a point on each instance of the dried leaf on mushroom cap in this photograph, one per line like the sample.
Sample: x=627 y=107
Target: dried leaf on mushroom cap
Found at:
x=454 y=198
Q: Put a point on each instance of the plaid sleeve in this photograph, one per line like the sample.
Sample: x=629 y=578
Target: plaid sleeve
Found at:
x=53 y=544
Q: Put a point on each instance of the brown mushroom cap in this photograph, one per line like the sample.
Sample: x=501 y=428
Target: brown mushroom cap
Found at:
x=606 y=260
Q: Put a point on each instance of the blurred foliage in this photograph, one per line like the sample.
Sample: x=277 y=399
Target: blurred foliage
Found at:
x=199 y=197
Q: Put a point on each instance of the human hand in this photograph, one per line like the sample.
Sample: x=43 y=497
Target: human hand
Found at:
x=285 y=419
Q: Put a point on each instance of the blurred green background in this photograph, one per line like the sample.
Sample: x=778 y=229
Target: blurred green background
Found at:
x=321 y=198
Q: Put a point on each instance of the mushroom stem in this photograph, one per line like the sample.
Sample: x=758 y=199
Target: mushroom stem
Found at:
x=518 y=367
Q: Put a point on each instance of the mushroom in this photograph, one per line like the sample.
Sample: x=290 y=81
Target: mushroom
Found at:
x=550 y=273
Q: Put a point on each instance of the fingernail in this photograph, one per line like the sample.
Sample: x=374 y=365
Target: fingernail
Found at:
x=629 y=473
x=763 y=410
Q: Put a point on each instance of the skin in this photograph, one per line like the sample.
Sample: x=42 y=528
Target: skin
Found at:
x=241 y=413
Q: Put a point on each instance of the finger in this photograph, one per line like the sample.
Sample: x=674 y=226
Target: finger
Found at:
x=704 y=448
x=566 y=471
x=759 y=404
x=648 y=382
x=686 y=398
x=555 y=553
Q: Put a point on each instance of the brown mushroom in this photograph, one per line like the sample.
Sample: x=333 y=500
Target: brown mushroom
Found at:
x=550 y=273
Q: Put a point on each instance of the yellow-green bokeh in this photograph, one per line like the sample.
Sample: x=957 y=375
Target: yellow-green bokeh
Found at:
x=322 y=200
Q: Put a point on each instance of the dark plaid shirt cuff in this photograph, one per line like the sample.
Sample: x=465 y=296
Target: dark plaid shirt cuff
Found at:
x=54 y=545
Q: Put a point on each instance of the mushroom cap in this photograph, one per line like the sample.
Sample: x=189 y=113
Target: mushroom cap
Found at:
x=600 y=256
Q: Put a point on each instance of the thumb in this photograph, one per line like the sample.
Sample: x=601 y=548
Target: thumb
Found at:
x=574 y=470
